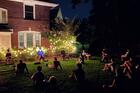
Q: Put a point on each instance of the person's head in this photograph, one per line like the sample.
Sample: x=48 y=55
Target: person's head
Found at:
x=52 y=80
x=113 y=58
x=39 y=68
x=8 y=50
x=55 y=58
x=20 y=61
x=83 y=51
x=79 y=65
x=104 y=49
x=127 y=50
x=40 y=49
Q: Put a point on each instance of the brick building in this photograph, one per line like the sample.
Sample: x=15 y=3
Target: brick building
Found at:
x=22 y=22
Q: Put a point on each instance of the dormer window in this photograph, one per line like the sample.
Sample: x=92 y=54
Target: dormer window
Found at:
x=29 y=12
x=3 y=16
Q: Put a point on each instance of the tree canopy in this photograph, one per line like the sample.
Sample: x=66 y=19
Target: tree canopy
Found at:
x=116 y=23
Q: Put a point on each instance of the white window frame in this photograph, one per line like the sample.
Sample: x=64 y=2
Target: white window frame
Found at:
x=29 y=4
x=5 y=10
x=25 y=38
x=19 y=40
x=34 y=38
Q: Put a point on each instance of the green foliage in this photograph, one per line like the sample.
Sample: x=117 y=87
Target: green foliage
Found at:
x=27 y=54
x=64 y=37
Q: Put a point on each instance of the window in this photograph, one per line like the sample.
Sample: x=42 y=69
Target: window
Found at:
x=29 y=39
x=3 y=16
x=29 y=12
x=37 y=39
x=21 y=40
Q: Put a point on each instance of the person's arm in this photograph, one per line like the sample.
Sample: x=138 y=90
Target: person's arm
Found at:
x=33 y=77
x=123 y=65
x=26 y=69
x=73 y=76
x=128 y=67
x=113 y=83
x=60 y=66
x=10 y=54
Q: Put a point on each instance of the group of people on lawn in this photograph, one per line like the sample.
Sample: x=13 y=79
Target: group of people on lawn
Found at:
x=123 y=68
x=38 y=77
x=49 y=84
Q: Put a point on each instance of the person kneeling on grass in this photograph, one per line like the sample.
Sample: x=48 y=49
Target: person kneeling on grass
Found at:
x=78 y=74
x=21 y=67
x=119 y=81
x=56 y=64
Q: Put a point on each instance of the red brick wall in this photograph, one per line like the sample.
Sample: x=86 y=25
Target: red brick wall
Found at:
x=17 y=22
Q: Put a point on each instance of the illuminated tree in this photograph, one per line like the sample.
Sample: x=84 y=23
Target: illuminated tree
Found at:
x=64 y=38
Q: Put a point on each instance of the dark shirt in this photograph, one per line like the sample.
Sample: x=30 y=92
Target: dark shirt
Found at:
x=38 y=77
x=63 y=53
x=56 y=63
x=21 y=67
x=80 y=74
x=8 y=54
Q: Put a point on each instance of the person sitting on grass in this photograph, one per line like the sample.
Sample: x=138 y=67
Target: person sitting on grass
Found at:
x=118 y=81
x=38 y=79
x=78 y=74
x=21 y=67
x=56 y=64
x=53 y=87
x=128 y=67
x=38 y=76
x=110 y=66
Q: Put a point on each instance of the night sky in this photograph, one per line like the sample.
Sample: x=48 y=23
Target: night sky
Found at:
x=82 y=10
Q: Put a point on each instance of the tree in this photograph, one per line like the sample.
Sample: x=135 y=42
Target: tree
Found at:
x=64 y=38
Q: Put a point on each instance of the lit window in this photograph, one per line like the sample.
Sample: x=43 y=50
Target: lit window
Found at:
x=29 y=12
x=37 y=39
x=29 y=39
x=21 y=40
x=3 y=16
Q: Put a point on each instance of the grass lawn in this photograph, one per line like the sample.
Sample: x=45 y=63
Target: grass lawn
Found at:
x=9 y=83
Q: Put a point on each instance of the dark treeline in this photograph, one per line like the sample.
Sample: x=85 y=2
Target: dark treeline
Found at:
x=116 y=24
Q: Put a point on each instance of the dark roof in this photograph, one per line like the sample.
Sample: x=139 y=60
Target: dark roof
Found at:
x=5 y=28
x=50 y=1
